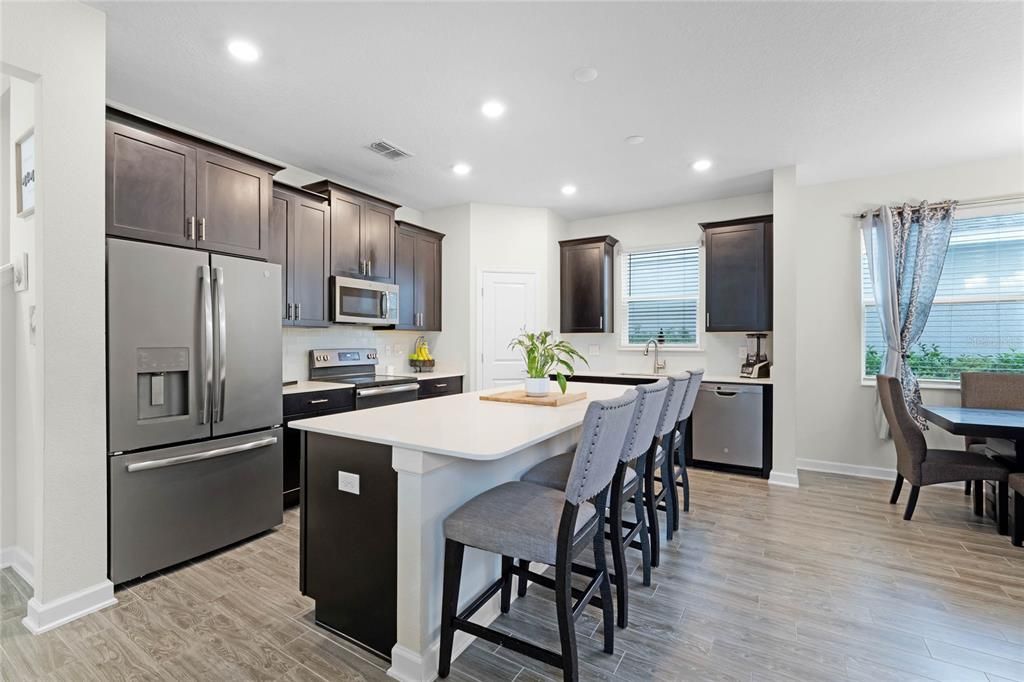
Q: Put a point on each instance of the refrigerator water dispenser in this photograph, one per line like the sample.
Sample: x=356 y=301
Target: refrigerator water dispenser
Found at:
x=162 y=382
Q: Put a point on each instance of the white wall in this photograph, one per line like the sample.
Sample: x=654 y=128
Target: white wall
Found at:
x=484 y=237
x=835 y=420
x=23 y=431
x=670 y=226
x=61 y=47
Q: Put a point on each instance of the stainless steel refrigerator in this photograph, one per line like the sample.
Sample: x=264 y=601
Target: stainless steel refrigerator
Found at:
x=194 y=403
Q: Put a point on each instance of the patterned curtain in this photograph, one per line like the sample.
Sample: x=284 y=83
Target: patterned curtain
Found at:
x=906 y=249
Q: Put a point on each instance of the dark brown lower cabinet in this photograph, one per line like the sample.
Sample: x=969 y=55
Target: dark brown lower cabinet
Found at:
x=303 y=406
x=300 y=242
x=435 y=388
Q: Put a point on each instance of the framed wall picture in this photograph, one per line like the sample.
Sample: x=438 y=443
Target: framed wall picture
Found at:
x=25 y=173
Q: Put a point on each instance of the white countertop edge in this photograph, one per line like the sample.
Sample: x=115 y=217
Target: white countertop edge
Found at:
x=311 y=386
x=443 y=374
x=460 y=454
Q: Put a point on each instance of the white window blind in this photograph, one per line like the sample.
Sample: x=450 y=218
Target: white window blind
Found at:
x=660 y=294
x=977 y=319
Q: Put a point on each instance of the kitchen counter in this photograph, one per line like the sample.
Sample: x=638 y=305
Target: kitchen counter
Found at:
x=708 y=378
x=378 y=485
x=461 y=426
x=310 y=386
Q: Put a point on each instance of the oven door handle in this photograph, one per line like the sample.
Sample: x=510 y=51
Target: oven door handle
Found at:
x=384 y=390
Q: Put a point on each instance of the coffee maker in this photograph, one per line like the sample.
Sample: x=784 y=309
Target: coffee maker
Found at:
x=756 y=365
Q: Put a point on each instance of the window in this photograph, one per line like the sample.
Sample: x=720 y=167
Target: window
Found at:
x=661 y=295
x=977 y=319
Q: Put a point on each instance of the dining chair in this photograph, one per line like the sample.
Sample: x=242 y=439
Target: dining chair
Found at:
x=520 y=520
x=918 y=463
x=1016 y=483
x=995 y=391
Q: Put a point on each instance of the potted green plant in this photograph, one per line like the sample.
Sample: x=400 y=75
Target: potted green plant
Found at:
x=544 y=354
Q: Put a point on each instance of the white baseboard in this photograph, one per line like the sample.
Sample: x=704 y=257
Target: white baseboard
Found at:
x=845 y=469
x=787 y=480
x=858 y=470
x=44 y=617
x=409 y=666
x=19 y=560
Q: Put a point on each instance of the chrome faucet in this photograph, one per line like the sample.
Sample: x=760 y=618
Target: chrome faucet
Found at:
x=659 y=365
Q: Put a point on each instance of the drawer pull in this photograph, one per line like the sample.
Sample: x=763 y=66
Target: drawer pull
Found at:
x=319 y=401
x=440 y=385
x=198 y=456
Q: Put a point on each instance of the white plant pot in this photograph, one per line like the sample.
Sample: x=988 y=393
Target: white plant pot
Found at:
x=537 y=388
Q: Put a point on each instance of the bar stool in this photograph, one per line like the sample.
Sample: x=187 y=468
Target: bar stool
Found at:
x=677 y=463
x=526 y=521
x=657 y=460
x=554 y=472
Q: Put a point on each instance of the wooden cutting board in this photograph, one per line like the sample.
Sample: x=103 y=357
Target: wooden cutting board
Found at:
x=554 y=399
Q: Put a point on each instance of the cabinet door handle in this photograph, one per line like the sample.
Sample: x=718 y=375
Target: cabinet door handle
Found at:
x=298 y=311
x=319 y=401
x=191 y=232
x=202 y=229
x=369 y=268
x=600 y=321
x=707 y=319
x=440 y=385
x=288 y=314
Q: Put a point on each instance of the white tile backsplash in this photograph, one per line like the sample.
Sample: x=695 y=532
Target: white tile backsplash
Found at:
x=393 y=347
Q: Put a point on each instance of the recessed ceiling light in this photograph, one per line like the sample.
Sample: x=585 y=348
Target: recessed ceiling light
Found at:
x=461 y=169
x=584 y=74
x=636 y=139
x=493 y=109
x=568 y=190
x=243 y=50
x=701 y=165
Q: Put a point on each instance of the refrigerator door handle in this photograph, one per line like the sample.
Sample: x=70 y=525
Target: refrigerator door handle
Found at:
x=198 y=456
x=222 y=330
x=207 y=337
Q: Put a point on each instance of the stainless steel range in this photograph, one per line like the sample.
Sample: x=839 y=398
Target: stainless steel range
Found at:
x=358 y=366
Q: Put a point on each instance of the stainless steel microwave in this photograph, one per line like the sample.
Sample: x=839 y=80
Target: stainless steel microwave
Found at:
x=358 y=301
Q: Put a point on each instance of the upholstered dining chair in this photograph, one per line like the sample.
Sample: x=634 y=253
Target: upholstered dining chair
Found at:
x=995 y=391
x=918 y=463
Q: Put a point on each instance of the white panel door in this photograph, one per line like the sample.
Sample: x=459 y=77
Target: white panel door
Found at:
x=508 y=305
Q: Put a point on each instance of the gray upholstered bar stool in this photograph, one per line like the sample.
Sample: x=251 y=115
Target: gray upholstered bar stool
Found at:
x=657 y=461
x=677 y=463
x=520 y=520
x=554 y=472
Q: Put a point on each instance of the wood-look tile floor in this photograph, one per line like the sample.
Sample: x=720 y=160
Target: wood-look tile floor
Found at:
x=826 y=582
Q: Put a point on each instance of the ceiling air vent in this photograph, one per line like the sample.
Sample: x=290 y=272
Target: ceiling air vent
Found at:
x=389 y=150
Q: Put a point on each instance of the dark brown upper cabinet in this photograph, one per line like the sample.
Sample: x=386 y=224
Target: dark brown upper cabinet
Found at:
x=738 y=275
x=418 y=276
x=587 y=284
x=362 y=232
x=171 y=188
x=300 y=241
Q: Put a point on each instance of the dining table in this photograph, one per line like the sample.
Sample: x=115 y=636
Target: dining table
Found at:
x=982 y=422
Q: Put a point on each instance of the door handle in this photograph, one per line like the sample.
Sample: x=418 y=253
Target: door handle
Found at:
x=222 y=330
x=383 y=390
x=369 y=268
x=199 y=456
x=298 y=311
x=191 y=232
x=202 y=229
x=384 y=305
x=288 y=314
x=319 y=401
x=207 y=302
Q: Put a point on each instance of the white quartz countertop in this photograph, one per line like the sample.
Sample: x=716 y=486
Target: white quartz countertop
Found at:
x=439 y=374
x=310 y=386
x=462 y=425
x=707 y=379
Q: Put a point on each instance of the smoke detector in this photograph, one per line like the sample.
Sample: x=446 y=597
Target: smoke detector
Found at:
x=388 y=150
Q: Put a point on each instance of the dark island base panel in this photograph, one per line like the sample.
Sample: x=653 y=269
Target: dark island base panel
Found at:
x=349 y=542
x=766 y=447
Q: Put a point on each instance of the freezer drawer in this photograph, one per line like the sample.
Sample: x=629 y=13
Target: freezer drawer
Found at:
x=728 y=425
x=173 y=504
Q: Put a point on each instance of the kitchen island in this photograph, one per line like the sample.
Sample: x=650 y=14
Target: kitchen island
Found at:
x=377 y=486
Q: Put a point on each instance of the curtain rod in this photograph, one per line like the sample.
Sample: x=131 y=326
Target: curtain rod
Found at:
x=986 y=201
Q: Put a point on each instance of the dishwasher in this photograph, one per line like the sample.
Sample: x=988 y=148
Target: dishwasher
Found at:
x=728 y=428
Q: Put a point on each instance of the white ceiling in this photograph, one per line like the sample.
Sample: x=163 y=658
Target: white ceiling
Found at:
x=839 y=89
